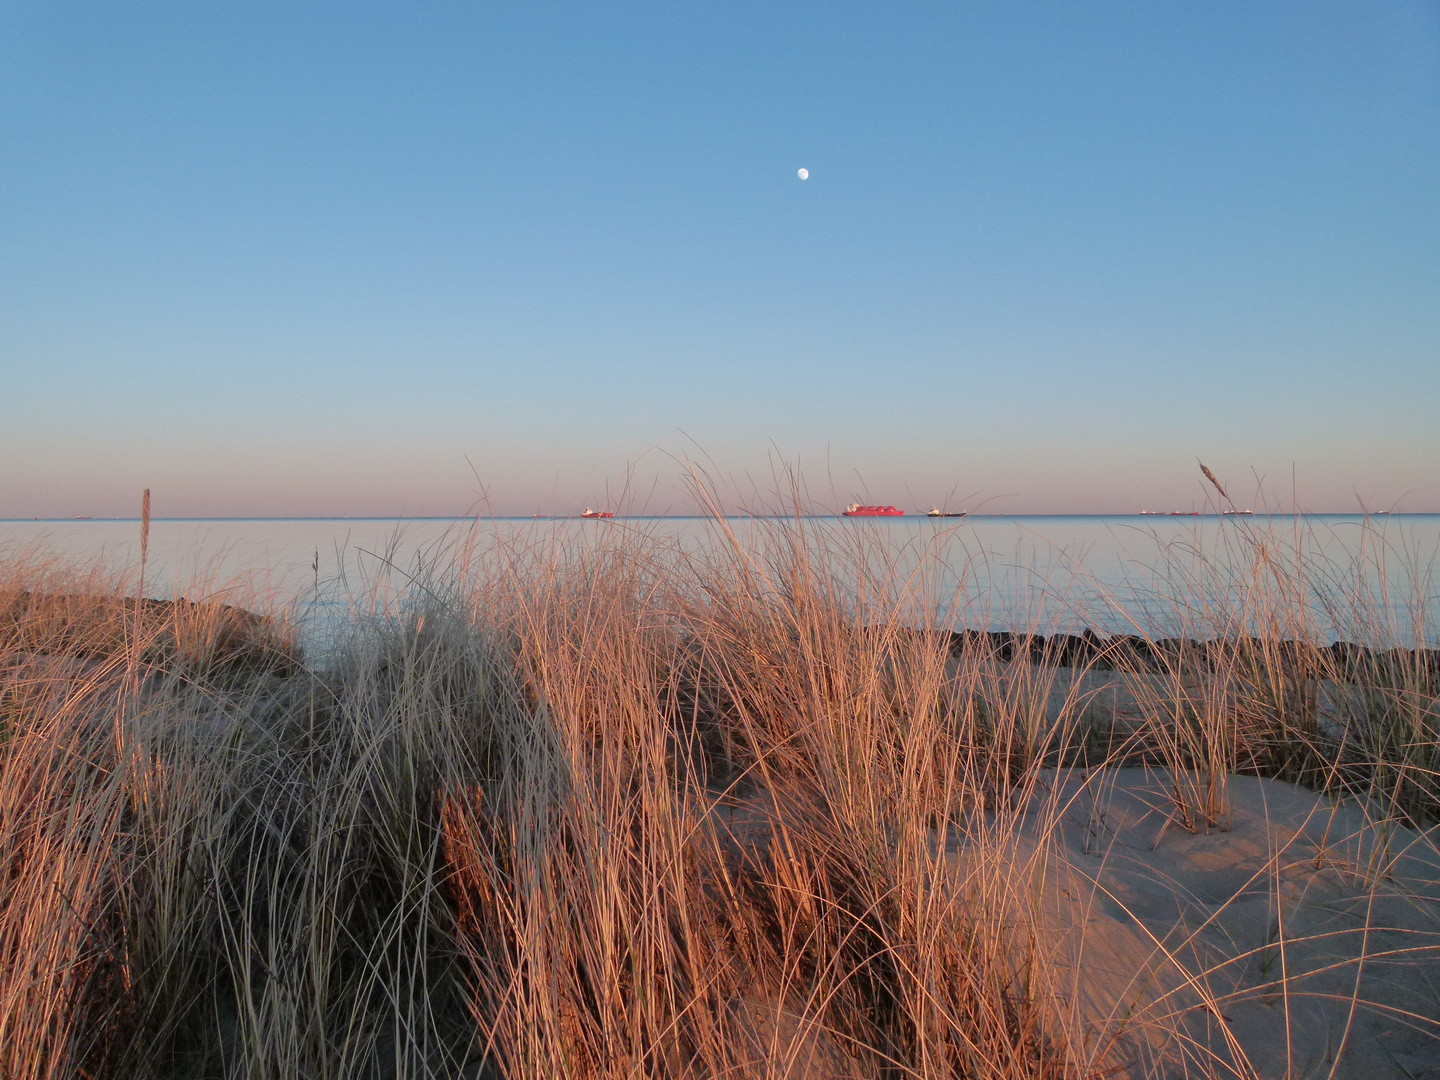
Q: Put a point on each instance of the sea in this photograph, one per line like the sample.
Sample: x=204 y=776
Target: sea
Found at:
x=1373 y=579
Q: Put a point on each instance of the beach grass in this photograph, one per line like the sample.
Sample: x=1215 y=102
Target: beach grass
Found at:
x=604 y=806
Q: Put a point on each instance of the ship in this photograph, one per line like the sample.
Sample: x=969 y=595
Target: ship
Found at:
x=858 y=510
x=1184 y=513
x=935 y=511
x=588 y=513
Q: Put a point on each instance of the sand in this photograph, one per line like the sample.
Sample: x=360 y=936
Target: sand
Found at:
x=1301 y=934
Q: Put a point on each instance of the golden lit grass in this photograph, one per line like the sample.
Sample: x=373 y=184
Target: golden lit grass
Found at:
x=600 y=806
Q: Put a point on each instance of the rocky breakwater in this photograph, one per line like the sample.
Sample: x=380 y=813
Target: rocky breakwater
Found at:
x=1341 y=661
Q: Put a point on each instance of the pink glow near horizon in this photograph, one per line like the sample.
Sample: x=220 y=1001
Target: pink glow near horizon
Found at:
x=659 y=484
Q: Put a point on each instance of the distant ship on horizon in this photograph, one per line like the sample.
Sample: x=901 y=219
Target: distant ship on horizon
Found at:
x=588 y=513
x=867 y=510
x=936 y=512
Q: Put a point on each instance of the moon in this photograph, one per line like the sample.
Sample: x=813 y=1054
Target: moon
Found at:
x=803 y=174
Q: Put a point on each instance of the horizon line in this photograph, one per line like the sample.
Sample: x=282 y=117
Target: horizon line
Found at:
x=739 y=515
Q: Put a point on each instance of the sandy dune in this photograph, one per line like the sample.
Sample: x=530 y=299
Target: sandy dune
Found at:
x=1302 y=933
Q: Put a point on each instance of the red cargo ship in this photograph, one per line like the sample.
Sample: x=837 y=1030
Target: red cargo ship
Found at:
x=588 y=513
x=856 y=510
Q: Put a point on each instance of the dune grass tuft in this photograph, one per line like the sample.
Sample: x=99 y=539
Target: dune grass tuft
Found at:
x=603 y=806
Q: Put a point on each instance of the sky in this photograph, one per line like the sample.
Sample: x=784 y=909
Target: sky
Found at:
x=407 y=259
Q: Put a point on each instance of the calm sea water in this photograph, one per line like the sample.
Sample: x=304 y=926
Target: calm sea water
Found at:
x=1051 y=573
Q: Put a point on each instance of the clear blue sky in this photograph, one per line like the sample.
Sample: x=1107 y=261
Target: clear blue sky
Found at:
x=309 y=258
